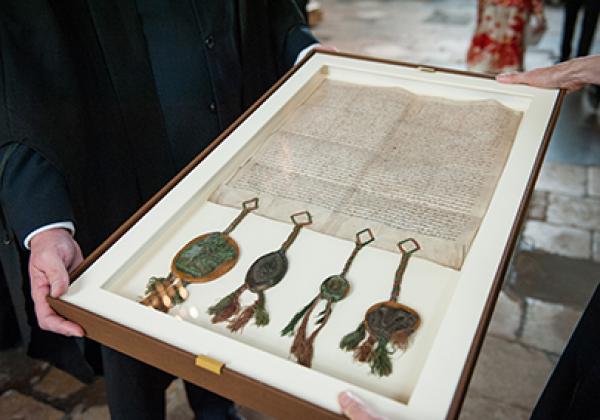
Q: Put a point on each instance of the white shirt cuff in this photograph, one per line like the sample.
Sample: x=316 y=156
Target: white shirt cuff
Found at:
x=64 y=225
x=305 y=51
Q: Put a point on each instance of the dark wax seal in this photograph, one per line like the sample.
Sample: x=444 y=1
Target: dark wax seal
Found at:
x=386 y=319
x=267 y=271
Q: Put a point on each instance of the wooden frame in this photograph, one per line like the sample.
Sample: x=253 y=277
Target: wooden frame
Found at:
x=244 y=389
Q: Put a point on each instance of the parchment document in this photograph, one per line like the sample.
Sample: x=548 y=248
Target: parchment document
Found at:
x=402 y=164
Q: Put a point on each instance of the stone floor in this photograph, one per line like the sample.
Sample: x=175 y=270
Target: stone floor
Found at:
x=554 y=270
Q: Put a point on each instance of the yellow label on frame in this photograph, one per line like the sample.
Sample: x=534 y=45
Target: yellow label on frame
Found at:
x=209 y=364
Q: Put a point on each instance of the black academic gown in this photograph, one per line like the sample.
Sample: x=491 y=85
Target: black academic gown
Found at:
x=573 y=390
x=77 y=87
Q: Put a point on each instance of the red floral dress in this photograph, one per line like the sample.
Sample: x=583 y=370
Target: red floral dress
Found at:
x=498 y=43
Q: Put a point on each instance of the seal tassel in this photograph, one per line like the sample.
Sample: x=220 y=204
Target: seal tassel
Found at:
x=365 y=351
x=352 y=340
x=228 y=306
x=305 y=356
x=256 y=310
x=380 y=360
x=291 y=326
x=299 y=344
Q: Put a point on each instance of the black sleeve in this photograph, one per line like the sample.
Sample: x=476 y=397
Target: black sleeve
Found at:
x=288 y=20
x=33 y=193
x=272 y=34
x=297 y=39
x=302 y=6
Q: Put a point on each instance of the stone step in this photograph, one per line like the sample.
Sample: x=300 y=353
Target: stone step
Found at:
x=552 y=278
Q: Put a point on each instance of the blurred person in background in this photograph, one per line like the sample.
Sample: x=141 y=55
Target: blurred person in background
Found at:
x=498 y=44
x=588 y=27
x=586 y=37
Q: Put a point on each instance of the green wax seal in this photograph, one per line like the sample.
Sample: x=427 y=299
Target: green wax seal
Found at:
x=335 y=288
x=204 y=256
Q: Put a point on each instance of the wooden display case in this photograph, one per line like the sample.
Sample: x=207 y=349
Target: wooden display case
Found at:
x=254 y=368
